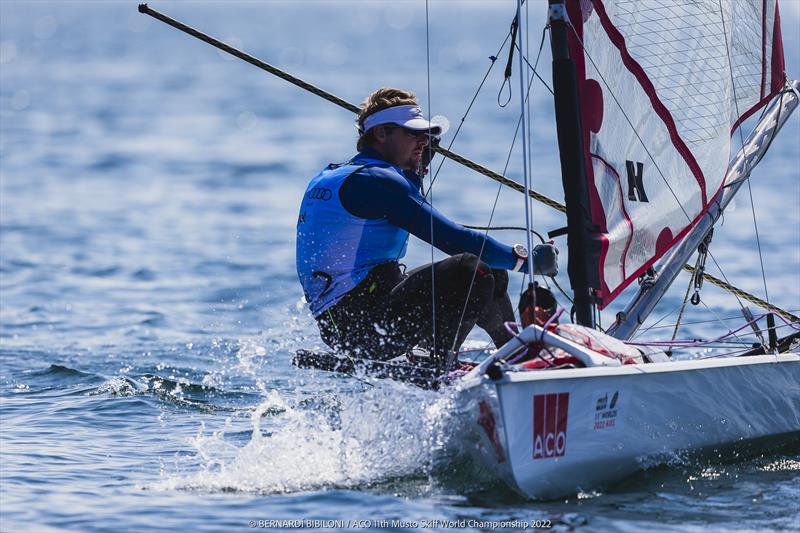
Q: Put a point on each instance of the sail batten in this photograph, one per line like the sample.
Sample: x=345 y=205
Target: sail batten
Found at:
x=662 y=85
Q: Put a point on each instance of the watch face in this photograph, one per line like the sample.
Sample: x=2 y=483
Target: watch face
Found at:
x=520 y=251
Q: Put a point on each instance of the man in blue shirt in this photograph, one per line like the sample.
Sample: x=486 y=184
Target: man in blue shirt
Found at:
x=353 y=228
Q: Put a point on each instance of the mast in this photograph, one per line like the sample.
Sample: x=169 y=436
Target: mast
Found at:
x=573 y=162
x=738 y=173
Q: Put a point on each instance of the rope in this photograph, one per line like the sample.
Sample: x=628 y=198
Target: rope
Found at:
x=523 y=98
x=683 y=307
x=719 y=340
x=535 y=73
x=491 y=215
x=325 y=95
x=745 y=311
x=738 y=293
x=493 y=60
x=738 y=317
x=633 y=128
x=502 y=228
x=744 y=295
x=500 y=178
x=741 y=140
x=446 y=359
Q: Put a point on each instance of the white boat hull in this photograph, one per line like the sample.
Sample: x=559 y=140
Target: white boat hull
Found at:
x=556 y=432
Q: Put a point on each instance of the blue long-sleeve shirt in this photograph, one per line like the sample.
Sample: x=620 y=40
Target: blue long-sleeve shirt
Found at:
x=377 y=191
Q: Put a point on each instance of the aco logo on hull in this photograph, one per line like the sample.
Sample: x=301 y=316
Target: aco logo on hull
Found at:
x=550 y=413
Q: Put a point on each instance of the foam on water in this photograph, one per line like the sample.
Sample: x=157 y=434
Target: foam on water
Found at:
x=150 y=308
x=384 y=431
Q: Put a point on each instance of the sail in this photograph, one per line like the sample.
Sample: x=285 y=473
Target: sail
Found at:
x=662 y=85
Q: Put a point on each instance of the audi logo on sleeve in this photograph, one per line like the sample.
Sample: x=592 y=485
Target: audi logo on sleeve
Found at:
x=319 y=193
x=550 y=424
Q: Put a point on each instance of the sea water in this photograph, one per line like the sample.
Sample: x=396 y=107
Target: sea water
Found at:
x=149 y=189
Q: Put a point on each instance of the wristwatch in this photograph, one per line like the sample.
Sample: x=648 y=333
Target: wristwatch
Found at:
x=521 y=253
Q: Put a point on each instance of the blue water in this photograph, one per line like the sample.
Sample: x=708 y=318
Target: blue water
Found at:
x=150 y=308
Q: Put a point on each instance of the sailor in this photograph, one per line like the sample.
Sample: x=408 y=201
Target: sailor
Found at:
x=353 y=228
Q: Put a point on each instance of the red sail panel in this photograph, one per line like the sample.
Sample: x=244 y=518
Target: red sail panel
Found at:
x=662 y=85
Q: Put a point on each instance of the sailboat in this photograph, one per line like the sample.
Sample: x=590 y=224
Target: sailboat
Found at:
x=648 y=95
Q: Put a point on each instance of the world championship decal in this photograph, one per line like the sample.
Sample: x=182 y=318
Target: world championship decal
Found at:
x=550 y=413
x=606 y=410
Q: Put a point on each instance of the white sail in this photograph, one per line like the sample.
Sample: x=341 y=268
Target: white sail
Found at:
x=663 y=84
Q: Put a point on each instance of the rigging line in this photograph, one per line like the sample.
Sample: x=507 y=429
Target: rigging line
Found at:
x=325 y=95
x=719 y=267
x=500 y=178
x=707 y=321
x=491 y=216
x=736 y=292
x=507 y=74
x=445 y=362
x=535 y=72
x=527 y=109
x=655 y=325
x=628 y=120
x=502 y=228
x=469 y=108
x=743 y=294
x=463 y=119
x=474 y=273
x=689 y=345
x=567 y=296
x=744 y=149
x=718 y=341
x=527 y=104
x=525 y=166
x=771 y=138
x=720 y=321
x=683 y=305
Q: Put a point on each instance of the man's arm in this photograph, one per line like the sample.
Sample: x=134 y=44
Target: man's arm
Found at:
x=381 y=192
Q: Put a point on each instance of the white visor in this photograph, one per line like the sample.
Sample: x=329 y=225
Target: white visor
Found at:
x=407 y=116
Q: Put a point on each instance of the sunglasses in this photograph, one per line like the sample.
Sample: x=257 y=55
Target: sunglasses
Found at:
x=415 y=134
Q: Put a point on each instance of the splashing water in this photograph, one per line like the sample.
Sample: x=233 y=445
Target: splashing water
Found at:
x=386 y=431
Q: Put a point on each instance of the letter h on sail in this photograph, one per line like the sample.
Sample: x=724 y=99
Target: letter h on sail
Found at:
x=635 y=184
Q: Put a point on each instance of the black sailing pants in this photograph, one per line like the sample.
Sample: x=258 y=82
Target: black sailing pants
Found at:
x=389 y=313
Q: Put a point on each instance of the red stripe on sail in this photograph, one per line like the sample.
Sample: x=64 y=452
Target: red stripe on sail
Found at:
x=778 y=66
x=642 y=269
x=598 y=217
x=627 y=219
x=763 y=46
x=660 y=109
x=747 y=114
